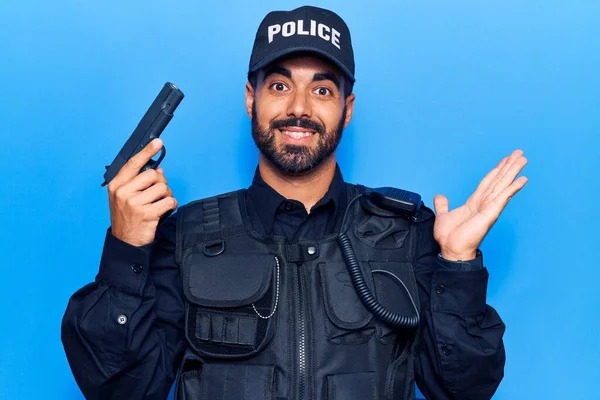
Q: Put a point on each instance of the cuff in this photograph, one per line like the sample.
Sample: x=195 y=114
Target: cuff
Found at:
x=123 y=265
x=469 y=265
x=459 y=292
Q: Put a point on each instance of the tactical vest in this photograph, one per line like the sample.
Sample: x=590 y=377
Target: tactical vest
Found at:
x=266 y=318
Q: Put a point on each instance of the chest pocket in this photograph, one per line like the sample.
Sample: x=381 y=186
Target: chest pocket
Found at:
x=347 y=319
x=224 y=296
x=396 y=290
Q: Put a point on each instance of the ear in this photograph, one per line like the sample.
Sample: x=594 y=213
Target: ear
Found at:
x=349 y=109
x=249 y=99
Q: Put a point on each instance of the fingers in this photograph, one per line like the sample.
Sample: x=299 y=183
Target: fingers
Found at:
x=157 y=191
x=158 y=196
x=134 y=164
x=488 y=184
x=507 y=177
x=440 y=203
x=500 y=202
x=145 y=188
x=489 y=178
x=162 y=206
x=145 y=180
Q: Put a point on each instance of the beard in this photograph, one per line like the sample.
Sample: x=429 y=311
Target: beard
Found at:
x=296 y=159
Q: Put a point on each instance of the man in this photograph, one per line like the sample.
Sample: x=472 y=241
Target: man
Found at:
x=302 y=286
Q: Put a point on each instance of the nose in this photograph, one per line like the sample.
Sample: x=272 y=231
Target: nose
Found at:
x=299 y=106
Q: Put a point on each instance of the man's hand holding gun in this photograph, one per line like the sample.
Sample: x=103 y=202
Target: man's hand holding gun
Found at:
x=138 y=200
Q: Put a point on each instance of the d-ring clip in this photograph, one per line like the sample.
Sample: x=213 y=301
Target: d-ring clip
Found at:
x=214 y=247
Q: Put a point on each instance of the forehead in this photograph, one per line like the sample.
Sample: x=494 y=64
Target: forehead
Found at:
x=310 y=63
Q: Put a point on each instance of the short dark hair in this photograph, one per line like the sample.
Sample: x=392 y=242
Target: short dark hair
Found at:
x=348 y=84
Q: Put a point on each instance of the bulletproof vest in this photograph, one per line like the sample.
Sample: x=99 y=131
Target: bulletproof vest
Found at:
x=268 y=318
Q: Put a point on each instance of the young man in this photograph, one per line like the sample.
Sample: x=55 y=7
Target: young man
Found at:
x=301 y=286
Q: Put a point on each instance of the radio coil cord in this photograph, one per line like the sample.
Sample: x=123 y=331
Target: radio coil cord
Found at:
x=363 y=291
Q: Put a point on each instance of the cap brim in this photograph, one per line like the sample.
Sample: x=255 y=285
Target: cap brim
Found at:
x=291 y=50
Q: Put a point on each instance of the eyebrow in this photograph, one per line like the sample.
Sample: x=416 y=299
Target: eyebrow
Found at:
x=324 y=76
x=277 y=70
x=319 y=76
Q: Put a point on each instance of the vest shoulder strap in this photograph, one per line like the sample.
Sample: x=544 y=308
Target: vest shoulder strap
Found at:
x=209 y=220
x=424 y=213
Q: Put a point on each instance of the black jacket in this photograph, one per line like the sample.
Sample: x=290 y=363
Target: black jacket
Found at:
x=124 y=333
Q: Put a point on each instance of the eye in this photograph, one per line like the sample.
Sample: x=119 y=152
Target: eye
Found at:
x=323 y=91
x=278 y=86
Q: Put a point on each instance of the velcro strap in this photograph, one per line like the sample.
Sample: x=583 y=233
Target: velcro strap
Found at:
x=211 y=216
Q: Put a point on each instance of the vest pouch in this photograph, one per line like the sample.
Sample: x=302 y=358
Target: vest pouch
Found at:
x=347 y=321
x=208 y=381
x=225 y=295
x=392 y=295
x=357 y=386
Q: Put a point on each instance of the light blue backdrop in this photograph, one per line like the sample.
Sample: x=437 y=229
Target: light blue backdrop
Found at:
x=444 y=91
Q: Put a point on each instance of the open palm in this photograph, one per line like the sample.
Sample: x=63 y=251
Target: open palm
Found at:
x=459 y=232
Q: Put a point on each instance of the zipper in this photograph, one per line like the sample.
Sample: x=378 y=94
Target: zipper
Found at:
x=301 y=338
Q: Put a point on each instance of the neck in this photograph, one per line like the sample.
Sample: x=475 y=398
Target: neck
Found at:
x=307 y=188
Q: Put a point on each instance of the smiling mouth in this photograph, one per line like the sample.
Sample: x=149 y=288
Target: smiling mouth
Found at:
x=296 y=132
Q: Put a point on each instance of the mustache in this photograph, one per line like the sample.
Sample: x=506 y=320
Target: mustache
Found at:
x=299 y=122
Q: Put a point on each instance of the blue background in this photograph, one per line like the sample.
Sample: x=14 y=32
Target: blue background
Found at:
x=444 y=91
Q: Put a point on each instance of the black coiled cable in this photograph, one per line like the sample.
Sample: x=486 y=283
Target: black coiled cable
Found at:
x=363 y=291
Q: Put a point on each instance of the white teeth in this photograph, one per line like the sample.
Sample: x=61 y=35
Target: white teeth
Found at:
x=297 y=135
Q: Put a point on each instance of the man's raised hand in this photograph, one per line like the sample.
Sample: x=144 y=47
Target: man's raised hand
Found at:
x=459 y=232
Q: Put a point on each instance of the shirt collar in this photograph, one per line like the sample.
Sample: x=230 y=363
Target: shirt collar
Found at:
x=267 y=201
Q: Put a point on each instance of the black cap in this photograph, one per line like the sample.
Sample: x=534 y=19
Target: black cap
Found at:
x=306 y=28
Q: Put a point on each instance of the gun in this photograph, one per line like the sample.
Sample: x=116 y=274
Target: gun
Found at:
x=150 y=127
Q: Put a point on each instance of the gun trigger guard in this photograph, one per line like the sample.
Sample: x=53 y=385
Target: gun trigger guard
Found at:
x=154 y=164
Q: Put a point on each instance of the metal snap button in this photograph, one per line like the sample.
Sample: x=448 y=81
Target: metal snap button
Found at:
x=446 y=350
x=311 y=250
x=137 y=268
x=440 y=289
x=121 y=319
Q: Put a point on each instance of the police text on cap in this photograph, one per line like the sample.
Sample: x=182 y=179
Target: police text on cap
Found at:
x=297 y=28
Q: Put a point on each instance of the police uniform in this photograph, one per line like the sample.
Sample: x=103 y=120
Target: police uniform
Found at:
x=246 y=296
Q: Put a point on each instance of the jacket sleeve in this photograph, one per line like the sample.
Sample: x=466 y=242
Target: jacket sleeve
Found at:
x=122 y=333
x=461 y=354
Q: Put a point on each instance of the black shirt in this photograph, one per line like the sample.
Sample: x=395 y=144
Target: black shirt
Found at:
x=123 y=334
x=272 y=214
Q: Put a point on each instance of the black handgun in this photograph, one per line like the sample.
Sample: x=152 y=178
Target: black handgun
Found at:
x=150 y=127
